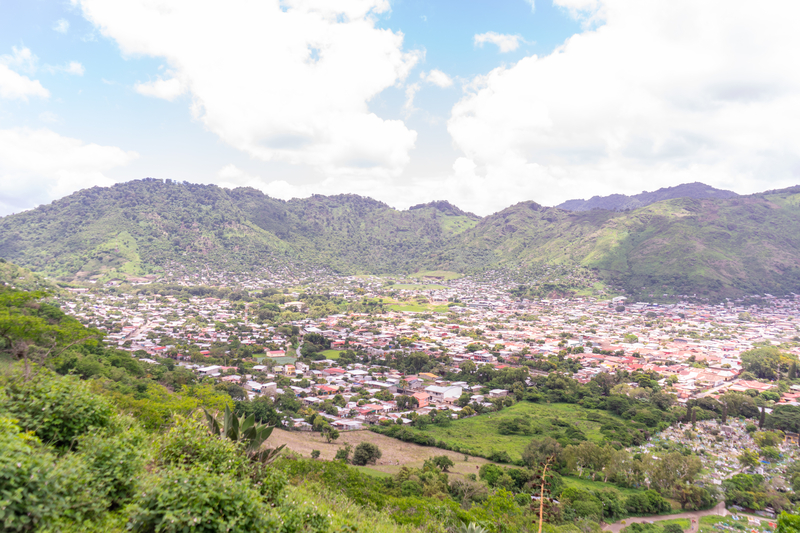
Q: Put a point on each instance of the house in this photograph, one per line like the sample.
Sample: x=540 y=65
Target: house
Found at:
x=325 y=390
x=422 y=398
x=442 y=394
x=498 y=393
x=212 y=370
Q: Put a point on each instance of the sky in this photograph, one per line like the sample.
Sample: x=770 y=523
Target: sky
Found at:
x=481 y=103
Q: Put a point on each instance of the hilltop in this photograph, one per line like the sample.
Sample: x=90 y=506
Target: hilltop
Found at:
x=708 y=246
x=623 y=202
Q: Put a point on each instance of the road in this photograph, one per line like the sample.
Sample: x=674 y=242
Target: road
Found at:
x=718 y=510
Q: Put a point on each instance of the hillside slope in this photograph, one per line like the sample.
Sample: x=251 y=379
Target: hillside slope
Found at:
x=722 y=247
x=710 y=246
x=139 y=227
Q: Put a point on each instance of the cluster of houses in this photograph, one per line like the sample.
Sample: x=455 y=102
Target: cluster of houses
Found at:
x=694 y=346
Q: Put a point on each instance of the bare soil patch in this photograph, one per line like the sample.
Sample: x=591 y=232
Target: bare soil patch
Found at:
x=395 y=453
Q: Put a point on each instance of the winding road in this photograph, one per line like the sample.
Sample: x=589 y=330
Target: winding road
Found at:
x=718 y=510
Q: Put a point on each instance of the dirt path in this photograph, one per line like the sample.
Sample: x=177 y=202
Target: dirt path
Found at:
x=718 y=510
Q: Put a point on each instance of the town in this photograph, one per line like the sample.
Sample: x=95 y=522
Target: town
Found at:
x=693 y=347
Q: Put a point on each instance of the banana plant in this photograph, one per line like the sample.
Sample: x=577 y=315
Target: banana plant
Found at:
x=246 y=431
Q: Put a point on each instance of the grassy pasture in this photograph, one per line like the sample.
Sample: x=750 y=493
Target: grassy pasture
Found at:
x=417 y=287
x=445 y=274
x=331 y=354
x=418 y=308
x=480 y=434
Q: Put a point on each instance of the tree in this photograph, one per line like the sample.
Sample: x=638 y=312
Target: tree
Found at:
x=330 y=433
x=366 y=453
x=315 y=454
x=788 y=523
x=538 y=450
x=407 y=402
x=766 y=362
x=443 y=462
x=464 y=399
x=748 y=458
x=768 y=438
x=692 y=496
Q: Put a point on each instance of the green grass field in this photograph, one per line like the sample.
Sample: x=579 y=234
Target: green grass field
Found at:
x=331 y=354
x=585 y=484
x=417 y=287
x=445 y=274
x=707 y=523
x=480 y=435
x=419 y=308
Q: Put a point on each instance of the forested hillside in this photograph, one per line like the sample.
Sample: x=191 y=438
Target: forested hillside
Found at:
x=711 y=247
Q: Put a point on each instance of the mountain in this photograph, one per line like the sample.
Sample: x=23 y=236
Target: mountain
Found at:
x=139 y=227
x=720 y=247
x=622 y=202
x=709 y=246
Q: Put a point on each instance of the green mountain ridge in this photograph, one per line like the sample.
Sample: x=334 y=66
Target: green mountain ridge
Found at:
x=623 y=202
x=709 y=246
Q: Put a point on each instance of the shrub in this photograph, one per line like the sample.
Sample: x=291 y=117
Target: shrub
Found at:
x=24 y=492
x=366 y=453
x=189 y=443
x=343 y=454
x=115 y=459
x=411 y=488
x=57 y=409
x=35 y=489
x=198 y=500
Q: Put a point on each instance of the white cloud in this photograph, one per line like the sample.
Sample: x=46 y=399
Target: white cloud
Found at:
x=661 y=93
x=18 y=86
x=434 y=77
x=506 y=43
x=73 y=67
x=438 y=78
x=411 y=91
x=49 y=117
x=21 y=59
x=286 y=81
x=532 y=3
x=168 y=89
x=61 y=26
x=13 y=85
x=37 y=166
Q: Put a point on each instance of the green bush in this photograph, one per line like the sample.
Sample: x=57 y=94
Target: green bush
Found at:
x=197 y=500
x=57 y=409
x=189 y=443
x=25 y=498
x=35 y=488
x=116 y=460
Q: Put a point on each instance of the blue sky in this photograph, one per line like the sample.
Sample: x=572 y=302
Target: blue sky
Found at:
x=481 y=103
